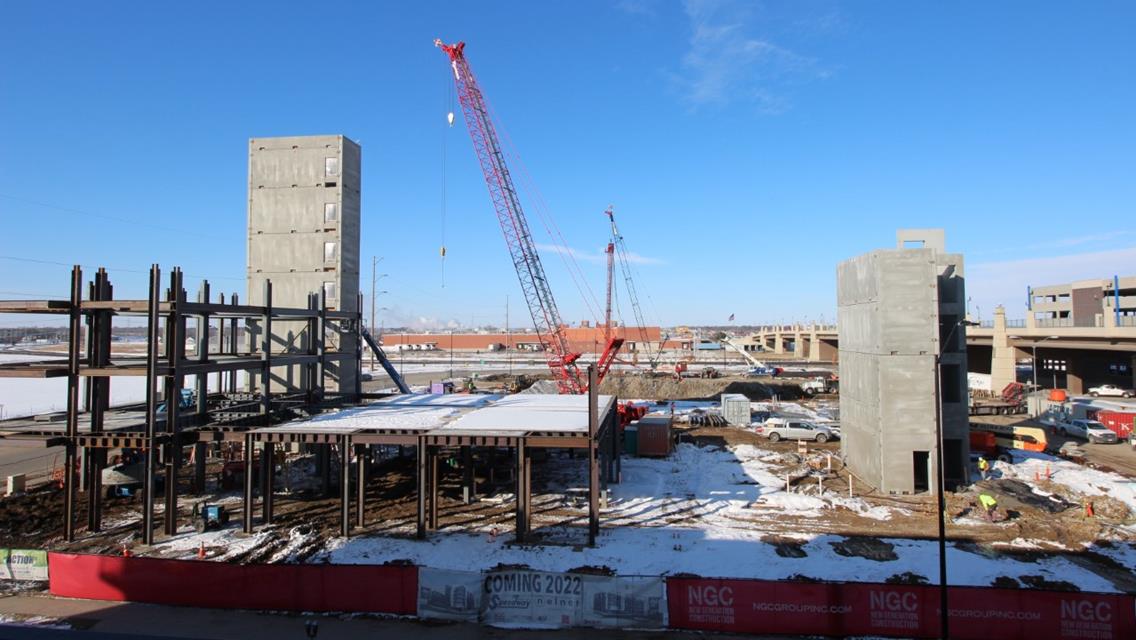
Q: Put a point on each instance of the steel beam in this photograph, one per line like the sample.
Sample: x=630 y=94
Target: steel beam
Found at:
x=593 y=463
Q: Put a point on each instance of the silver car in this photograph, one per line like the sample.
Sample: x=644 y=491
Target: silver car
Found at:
x=782 y=429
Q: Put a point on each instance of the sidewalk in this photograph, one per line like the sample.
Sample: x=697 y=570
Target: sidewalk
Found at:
x=120 y=621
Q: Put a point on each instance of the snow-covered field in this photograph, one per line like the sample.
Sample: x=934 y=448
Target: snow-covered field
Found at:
x=694 y=513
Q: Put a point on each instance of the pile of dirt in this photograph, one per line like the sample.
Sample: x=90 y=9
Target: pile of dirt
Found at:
x=786 y=547
x=865 y=547
x=907 y=577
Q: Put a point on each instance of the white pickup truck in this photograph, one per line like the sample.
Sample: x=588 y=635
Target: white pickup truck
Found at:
x=1111 y=390
x=1090 y=430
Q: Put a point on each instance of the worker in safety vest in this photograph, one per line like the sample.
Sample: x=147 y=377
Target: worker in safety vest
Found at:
x=989 y=504
x=983 y=467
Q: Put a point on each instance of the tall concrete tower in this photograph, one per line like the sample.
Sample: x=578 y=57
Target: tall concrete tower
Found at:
x=898 y=311
x=303 y=235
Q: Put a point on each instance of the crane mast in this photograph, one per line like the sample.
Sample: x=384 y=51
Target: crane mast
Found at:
x=617 y=243
x=514 y=226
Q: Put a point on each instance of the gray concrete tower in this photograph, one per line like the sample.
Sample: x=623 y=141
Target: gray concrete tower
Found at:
x=303 y=235
x=898 y=310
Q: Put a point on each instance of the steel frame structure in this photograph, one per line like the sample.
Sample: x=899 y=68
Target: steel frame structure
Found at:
x=236 y=417
x=163 y=435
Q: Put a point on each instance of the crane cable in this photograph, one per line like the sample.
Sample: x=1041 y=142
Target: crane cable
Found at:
x=448 y=105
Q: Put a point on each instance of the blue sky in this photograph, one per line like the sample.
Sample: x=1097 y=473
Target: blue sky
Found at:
x=747 y=147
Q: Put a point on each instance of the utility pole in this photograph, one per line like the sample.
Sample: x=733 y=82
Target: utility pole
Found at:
x=374 y=265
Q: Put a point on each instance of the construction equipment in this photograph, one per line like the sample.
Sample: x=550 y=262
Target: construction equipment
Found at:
x=1012 y=400
x=209 y=517
x=383 y=360
x=514 y=225
x=819 y=384
x=759 y=368
x=617 y=245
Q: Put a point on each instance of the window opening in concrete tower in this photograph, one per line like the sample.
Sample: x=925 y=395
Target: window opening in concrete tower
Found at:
x=329 y=292
x=330 y=212
x=331 y=166
x=329 y=254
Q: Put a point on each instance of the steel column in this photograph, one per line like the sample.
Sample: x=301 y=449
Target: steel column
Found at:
x=420 y=455
x=248 y=484
x=148 y=484
x=362 y=457
x=175 y=353
x=432 y=457
x=593 y=465
x=267 y=452
x=200 y=455
x=521 y=490
x=345 y=485
x=70 y=464
x=469 y=484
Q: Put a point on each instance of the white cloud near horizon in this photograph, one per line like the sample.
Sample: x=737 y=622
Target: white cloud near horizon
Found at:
x=1005 y=282
x=597 y=257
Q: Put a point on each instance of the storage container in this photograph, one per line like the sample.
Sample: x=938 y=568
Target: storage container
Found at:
x=735 y=409
x=655 y=435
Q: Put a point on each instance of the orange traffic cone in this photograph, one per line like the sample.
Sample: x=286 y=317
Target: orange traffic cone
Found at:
x=1088 y=509
x=201 y=552
x=125 y=552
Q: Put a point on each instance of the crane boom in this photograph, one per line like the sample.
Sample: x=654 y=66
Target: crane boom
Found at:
x=620 y=245
x=514 y=225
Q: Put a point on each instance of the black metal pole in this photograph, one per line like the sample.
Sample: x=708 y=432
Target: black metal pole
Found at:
x=944 y=615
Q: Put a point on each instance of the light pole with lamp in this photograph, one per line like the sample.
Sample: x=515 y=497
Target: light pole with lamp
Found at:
x=940 y=488
x=1033 y=362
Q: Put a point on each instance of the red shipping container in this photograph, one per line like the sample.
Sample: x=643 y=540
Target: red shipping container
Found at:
x=655 y=436
x=1120 y=422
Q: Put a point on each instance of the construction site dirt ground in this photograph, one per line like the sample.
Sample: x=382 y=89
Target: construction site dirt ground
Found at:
x=721 y=492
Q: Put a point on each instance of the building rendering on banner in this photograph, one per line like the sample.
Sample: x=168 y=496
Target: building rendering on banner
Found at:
x=303 y=235
x=900 y=323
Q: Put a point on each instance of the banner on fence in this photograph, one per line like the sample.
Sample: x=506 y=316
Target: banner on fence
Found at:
x=23 y=564
x=537 y=599
x=449 y=595
x=754 y=606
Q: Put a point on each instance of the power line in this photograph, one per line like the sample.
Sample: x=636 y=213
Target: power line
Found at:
x=87 y=266
x=80 y=212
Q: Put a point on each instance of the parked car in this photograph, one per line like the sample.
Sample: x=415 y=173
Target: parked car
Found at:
x=1111 y=390
x=782 y=429
x=1090 y=430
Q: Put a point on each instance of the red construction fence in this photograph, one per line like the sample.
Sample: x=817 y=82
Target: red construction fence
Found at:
x=738 y=606
x=289 y=587
x=756 y=606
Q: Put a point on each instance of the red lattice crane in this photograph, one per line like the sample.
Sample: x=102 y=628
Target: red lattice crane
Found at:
x=515 y=227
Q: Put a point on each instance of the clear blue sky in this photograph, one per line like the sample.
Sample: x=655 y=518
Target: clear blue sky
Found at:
x=747 y=147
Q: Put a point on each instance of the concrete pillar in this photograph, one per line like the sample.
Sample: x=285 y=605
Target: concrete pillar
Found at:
x=778 y=342
x=813 y=354
x=800 y=345
x=1003 y=364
